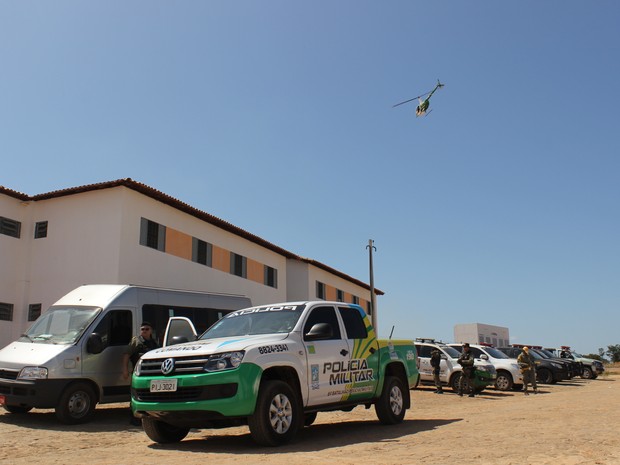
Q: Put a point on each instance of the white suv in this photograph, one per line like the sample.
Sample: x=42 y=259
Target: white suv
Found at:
x=449 y=369
x=508 y=374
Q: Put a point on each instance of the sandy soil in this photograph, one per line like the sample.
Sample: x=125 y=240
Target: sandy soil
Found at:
x=576 y=422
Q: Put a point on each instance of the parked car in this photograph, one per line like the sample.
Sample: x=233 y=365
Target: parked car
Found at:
x=547 y=371
x=450 y=371
x=508 y=374
x=591 y=368
x=574 y=368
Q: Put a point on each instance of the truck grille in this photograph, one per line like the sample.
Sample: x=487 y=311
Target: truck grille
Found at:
x=182 y=365
x=185 y=394
x=8 y=374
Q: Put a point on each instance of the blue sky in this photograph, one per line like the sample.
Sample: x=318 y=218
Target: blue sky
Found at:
x=500 y=207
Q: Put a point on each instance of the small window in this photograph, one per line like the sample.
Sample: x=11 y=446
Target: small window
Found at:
x=323 y=315
x=34 y=311
x=10 y=227
x=202 y=252
x=271 y=277
x=339 y=295
x=356 y=300
x=353 y=323
x=40 y=230
x=423 y=351
x=152 y=235
x=115 y=328
x=238 y=265
x=369 y=308
x=320 y=290
x=6 y=311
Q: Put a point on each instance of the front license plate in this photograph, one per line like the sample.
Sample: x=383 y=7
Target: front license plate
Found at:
x=164 y=385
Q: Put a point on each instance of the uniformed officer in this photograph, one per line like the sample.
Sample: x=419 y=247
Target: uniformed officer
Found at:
x=436 y=364
x=466 y=360
x=528 y=370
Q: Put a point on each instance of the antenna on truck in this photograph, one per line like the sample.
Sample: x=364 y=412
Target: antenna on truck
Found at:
x=391 y=332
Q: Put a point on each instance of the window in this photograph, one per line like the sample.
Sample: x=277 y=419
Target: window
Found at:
x=6 y=311
x=369 y=308
x=238 y=265
x=353 y=323
x=271 y=277
x=34 y=311
x=339 y=295
x=320 y=290
x=423 y=351
x=323 y=315
x=10 y=227
x=356 y=300
x=202 y=252
x=115 y=328
x=40 y=229
x=152 y=234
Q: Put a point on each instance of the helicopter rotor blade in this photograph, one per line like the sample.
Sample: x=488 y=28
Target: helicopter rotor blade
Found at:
x=412 y=99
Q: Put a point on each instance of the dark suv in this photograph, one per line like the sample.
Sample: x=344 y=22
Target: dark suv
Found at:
x=547 y=370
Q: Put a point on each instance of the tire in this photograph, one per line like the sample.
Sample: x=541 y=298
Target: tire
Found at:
x=544 y=376
x=390 y=406
x=76 y=404
x=277 y=416
x=503 y=382
x=455 y=381
x=587 y=373
x=163 y=433
x=17 y=409
x=309 y=418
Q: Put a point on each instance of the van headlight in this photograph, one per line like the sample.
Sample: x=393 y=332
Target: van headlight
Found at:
x=33 y=373
x=224 y=361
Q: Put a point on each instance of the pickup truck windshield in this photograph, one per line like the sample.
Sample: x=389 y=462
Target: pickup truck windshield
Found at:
x=495 y=353
x=260 y=320
x=60 y=325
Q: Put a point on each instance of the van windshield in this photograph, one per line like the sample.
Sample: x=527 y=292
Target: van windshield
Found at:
x=60 y=325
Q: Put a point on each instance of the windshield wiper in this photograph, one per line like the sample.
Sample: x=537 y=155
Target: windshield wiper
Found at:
x=26 y=336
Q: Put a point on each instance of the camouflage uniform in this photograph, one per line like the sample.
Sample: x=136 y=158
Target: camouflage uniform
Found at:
x=466 y=360
x=528 y=370
x=140 y=346
x=436 y=364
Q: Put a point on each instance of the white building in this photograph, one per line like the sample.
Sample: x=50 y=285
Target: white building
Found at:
x=125 y=232
x=477 y=333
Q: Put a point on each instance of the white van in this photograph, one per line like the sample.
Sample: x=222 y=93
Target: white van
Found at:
x=71 y=357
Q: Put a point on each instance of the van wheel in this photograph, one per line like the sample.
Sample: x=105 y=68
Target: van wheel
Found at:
x=587 y=373
x=163 y=433
x=76 y=404
x=277 y=416
x=503 y=382
x=17 y=409
x=545 y=376
x=390 y=407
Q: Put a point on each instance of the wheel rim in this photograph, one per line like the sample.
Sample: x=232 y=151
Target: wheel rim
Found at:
x=281 y=414
x=79 y=403
x=396 y=400
x=502 y=383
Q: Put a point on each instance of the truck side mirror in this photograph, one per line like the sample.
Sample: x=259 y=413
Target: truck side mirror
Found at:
x=484 y=357
x=319 y=331
x=178 y=340
x=94 y=345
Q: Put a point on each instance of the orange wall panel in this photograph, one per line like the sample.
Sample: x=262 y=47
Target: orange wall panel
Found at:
x=255 y=270
x=221 y=259
x=178 y=244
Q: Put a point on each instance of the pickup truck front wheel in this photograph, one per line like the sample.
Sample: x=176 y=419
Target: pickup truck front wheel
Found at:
x=390 y=407
x=277 y=416
x=161 y=432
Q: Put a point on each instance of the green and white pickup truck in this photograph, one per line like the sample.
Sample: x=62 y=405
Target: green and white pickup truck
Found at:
x=272 y=367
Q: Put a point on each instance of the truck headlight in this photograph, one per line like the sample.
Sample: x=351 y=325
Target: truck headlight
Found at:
x=33 y=373
x=557 y=365
x=138 y=368
x=224 y=361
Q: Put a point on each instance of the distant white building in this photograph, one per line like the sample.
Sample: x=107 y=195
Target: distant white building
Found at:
x=125 y=232
x=478 y=333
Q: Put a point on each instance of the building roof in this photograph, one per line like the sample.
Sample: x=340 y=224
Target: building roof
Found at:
x=182 y=206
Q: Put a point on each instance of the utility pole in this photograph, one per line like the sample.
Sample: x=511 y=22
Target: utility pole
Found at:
x=373 y=297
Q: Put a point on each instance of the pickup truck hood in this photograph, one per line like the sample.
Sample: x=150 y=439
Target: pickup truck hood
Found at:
x=20 y=354
x=213 y=346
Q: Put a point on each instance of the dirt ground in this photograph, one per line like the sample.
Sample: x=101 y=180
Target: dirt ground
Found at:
x=575 y=422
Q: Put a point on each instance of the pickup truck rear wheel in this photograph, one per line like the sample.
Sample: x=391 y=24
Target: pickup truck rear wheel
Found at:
x=163 y=433
x=390 y=407
x=76 y=404
x=277 y=416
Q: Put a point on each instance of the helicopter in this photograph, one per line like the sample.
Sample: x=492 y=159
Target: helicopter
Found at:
x=421 y=109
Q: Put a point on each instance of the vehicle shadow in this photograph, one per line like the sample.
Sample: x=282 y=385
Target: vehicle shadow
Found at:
x=109 y=419
x=314 y=438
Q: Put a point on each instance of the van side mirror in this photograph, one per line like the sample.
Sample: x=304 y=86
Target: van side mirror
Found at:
x=319 y=331
x=94 y=345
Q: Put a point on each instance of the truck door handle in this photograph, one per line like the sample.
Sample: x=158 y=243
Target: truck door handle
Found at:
x=344 y=352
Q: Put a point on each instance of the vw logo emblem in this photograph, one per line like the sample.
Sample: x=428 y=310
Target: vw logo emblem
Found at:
x=167 y=366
